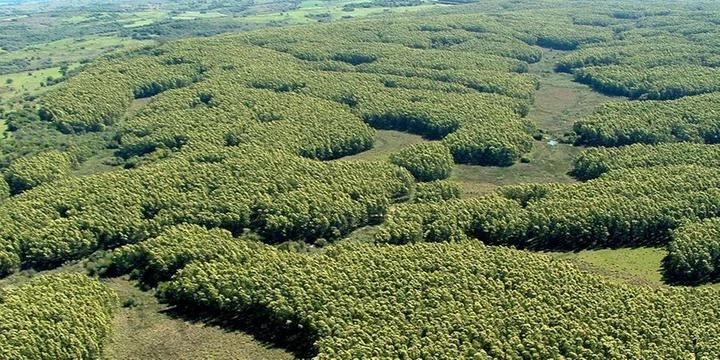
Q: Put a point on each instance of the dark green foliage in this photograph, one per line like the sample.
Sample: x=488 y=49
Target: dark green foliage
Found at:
x=354 y=58
x=58 y=316
x=426 y=161
x=694 y=253
x=31 y=136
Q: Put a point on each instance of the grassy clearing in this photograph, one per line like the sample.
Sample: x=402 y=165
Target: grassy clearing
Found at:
x=145 y=329
x=547 y=164
x=558 y=104
x=98 y=163
x=560 y=101
x=640 y=266
x=17 y=84
x=386 y=143
x=192 y=15
x=142 y=18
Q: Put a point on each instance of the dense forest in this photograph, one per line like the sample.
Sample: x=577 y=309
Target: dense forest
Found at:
x=218 y=172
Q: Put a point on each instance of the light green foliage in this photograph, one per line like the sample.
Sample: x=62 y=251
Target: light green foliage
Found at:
x=4 y=188
x=426 y=161
x=99 y=96
x=59 y=316
x=450 y=301
x=159 y=258
x=222 y=142
x=494 y=219
x=440 y=190
x=653 y=52
x=281 y=196
x=694 y=253
x=593 y=162
x=28 y=172
x=477 y=99
x=653 y=55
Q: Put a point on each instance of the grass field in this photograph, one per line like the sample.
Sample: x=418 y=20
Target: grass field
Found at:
x=640 y=266
x=141 y=18
x=192 y=15
x=547 y=164
x=17 y=84
x=53 y=53
x=146 y=329
x=386 y=143
x=560 y=100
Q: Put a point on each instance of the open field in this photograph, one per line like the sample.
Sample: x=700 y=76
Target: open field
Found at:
x=641 y=266
x=548 y=164
x=386 y=143
x=145 y=329
x=13 y=86
x=67 y=51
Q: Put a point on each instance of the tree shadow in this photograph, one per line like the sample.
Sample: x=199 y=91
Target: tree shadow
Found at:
x=673 y=277
x=274 y=331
